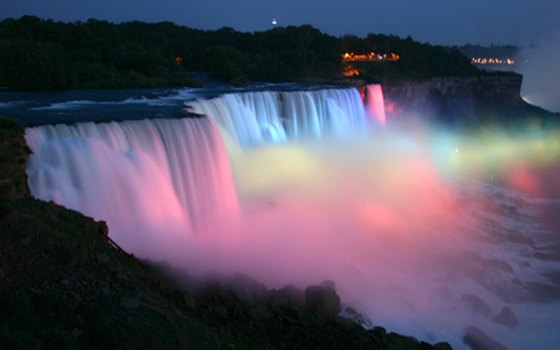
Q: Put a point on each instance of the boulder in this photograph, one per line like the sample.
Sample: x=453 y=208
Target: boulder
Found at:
x=247 y=288
x=322 y=300
x=478 y=340
x=357 y=317
x=287 y=297
x=442 y=346
x=425 y=346
x=506 y=317
x=399 y=342
x=476 y=304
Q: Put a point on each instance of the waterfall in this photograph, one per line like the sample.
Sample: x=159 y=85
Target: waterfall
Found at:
x=141 y=176
x=254 y=118
x=415 y=247
x=376 y=103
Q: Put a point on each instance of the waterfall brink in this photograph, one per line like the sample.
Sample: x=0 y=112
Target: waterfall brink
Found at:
x=254 y=118
x=165 y=176
x=376 y=103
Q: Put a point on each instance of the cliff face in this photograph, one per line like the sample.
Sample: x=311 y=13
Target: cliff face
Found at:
x=459 y=99
x=13 y=156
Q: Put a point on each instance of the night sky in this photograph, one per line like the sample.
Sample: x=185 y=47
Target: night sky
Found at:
x=452 y=22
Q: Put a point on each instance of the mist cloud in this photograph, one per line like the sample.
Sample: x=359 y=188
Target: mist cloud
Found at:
x=541 y=83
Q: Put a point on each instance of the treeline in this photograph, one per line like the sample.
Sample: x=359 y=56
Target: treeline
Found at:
x=417 y=60
x=492 y=51
x=43 y=54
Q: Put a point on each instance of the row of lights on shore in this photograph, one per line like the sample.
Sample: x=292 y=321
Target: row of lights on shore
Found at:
x=372 y=56
x=484 y=60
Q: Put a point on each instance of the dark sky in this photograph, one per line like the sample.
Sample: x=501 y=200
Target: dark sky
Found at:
x=435 y=21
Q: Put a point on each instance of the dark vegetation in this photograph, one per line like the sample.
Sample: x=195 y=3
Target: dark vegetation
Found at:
x=43 y=54
x=417 y=60
x=65 y=285
x=492 y=51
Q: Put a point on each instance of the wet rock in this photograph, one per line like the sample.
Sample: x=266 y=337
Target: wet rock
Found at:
x=322 y=300
x=398 y=342
x=478 y=340
x=476 y=304
x=357 y=317
x=506 y=317
x=425 y=346
x=287 y=297
x=379 y=331
x=442 y=346
x=247 y=288
x=103 y=228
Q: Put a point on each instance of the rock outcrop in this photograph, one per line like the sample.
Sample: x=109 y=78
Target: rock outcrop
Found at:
x=488 y=97
x=322 y=300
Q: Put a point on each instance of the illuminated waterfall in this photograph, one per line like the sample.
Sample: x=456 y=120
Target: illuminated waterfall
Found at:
x=141 y=176
x=253 y=118
x=393 y=218
x=376 y=103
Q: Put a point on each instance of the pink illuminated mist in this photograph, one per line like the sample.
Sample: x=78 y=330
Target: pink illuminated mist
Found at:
x=295 y=187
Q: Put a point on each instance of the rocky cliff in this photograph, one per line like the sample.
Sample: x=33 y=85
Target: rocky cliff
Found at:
x=487 y=97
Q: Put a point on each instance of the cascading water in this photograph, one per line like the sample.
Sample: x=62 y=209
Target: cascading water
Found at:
x=254 y=118
x=165 y=176
x=416 y=251
x=376 y=103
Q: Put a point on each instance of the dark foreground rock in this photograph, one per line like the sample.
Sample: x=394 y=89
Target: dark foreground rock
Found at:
x=64 y=284
x=322 y=300
x=506 y=317
x=478 y=340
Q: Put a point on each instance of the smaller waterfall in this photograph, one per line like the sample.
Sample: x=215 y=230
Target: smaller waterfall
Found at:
x=376 y=103
x=254 y=118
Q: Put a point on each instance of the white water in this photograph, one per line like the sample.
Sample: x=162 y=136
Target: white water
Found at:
x=254 y=118
x=143 y=177
x=382 y=213
x=376 y=103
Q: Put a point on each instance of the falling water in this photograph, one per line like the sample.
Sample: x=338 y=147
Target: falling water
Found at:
x=140 y=176
x=376 y=103
x=254 y=118
x=384 y=214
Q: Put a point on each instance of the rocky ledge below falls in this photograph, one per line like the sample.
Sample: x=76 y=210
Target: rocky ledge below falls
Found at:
x=64 y=284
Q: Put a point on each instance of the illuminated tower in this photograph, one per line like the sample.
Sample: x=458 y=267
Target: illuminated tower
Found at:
x=274 y=21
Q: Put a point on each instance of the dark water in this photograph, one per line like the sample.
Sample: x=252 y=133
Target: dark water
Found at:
x=70 y=106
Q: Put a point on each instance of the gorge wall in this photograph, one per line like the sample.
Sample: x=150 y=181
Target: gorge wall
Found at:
x=490 y=96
